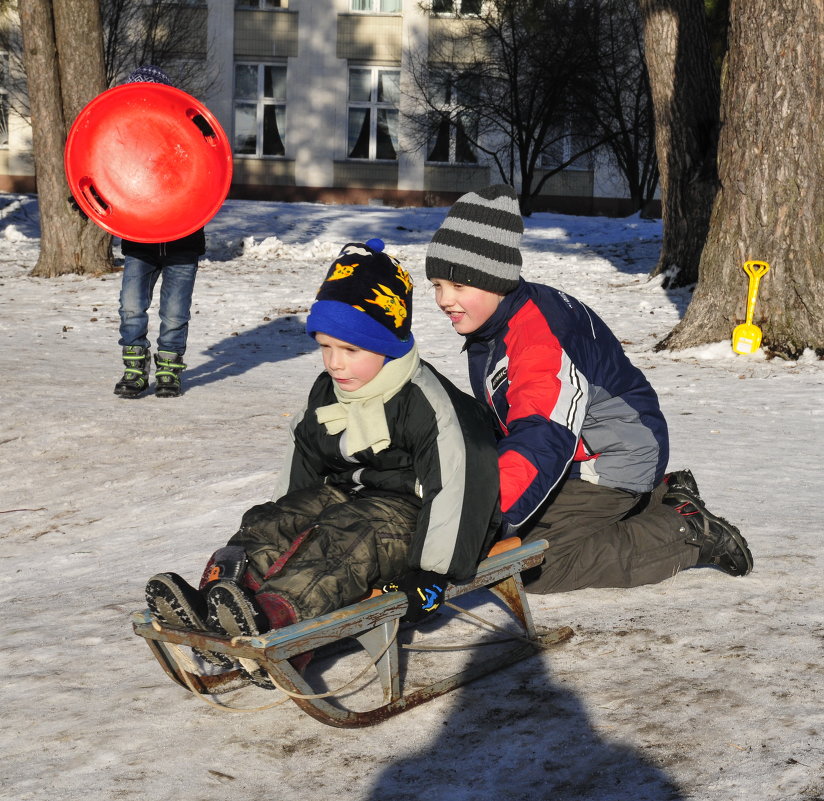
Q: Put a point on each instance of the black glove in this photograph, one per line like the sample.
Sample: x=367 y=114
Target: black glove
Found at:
x=424 y=590
x=76 y=207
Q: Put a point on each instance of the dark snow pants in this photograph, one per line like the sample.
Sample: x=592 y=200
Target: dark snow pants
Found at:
x=604 y=537
x=354 y=543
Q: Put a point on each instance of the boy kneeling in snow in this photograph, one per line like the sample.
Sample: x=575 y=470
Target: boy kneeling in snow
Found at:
x=392 y=478
x=582 y=441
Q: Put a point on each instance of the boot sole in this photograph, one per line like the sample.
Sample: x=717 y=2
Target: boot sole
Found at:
x=127 y=393
x=169 y=605
x=232 y=614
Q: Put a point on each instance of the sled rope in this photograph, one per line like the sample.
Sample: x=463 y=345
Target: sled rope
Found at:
x=348 y=684
x=455 y=607
x=180 y=659
x=511 y=635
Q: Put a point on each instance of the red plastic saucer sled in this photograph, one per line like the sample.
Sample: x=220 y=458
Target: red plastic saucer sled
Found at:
x=148 y=162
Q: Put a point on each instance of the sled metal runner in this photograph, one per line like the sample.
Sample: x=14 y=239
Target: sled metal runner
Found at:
x=373 y=624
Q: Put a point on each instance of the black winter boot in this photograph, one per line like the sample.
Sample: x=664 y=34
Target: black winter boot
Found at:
x=720 y=543
x=227 y=563
x=167 y=375
x=232 y=612
x=136 y=376
x=682 y=481
x=176 y=603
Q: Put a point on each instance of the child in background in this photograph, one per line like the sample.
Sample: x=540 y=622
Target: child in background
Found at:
x=391 y=477
x=582 y=442
x=175 y=264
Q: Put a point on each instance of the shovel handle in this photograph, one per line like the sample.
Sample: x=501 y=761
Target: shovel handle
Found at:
x=755 y=270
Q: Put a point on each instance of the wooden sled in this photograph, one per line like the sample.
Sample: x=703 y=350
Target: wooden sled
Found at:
x=373 y=623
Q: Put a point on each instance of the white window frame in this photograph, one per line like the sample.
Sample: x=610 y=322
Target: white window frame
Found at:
x=374 y=107
x=263 y=106
x=376 y=6
x=456 y=9
x=563 y=148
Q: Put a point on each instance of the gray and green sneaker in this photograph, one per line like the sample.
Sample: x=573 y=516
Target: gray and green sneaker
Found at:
x=135 y=378
x=167 y=375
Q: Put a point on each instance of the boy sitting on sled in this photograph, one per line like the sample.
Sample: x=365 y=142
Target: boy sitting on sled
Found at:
x=392 y=478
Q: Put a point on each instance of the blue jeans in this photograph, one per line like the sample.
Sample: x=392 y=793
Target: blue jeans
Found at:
x=136 y=289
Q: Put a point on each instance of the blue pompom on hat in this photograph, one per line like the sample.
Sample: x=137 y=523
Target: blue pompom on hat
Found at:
x=149 y=74
x=365 y=300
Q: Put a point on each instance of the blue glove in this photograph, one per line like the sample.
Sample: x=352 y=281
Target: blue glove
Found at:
x=424 y=591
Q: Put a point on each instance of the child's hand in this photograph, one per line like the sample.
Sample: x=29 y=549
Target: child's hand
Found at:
x=75 y=206
x=424 y=590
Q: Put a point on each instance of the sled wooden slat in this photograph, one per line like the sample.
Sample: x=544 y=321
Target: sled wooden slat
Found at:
x=373 y=624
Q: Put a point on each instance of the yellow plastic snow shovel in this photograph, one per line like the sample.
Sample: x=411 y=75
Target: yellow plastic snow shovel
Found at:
x=746 y=338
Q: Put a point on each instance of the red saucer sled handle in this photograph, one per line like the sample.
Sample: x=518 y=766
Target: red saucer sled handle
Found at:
x=148 y=162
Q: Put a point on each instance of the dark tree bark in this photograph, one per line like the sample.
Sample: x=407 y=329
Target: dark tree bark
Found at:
x=770 y=205
x=63 y=57
x=685 y=98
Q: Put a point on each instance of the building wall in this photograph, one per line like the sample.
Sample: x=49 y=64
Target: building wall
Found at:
x=318 y=41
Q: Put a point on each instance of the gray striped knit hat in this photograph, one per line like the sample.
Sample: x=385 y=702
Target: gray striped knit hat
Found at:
x=478 y=244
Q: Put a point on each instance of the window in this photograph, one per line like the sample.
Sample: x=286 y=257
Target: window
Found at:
x=260 y=110
x=4 y=99
x=373 y=113
x=458 y=127
x=467 y=8
x=377 y=6
x=261 y=3
x=563 y=145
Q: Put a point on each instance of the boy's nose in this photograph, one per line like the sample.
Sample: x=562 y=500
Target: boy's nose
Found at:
x=446 y=299
x=333 y=360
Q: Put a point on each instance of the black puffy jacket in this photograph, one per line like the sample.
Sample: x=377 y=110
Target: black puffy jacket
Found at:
x=442 y=454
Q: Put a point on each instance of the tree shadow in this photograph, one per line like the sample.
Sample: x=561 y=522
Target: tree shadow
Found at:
x=273 y=341
x=634 y=253
x=516 y=735
x=22 y=212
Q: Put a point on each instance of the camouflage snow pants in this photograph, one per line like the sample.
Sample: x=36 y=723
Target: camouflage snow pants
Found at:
x=354 y=543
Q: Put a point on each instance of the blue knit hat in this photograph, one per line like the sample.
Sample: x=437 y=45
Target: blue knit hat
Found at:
x=365 y=300
x=149 y=74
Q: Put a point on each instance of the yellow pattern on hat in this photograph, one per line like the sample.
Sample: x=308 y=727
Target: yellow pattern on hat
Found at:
x=390 y=303
x=342 y=271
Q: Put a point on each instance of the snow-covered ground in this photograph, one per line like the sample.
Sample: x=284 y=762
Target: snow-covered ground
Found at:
x=703 y=687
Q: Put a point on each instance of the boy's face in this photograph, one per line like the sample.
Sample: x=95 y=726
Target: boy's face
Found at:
x=467 y=307
x=350 y=366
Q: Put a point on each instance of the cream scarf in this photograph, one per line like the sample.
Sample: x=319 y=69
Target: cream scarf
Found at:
x=360 y=412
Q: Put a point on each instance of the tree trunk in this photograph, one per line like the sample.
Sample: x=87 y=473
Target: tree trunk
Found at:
x=770 y=206
x=685 y=98
x=63 y=56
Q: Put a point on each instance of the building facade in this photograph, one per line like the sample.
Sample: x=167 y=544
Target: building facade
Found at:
x=313 y=95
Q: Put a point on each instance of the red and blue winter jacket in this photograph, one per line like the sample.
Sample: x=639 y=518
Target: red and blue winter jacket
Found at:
x=568 y=401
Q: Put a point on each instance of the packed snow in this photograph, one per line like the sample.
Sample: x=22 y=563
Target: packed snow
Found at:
x=703 y=687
